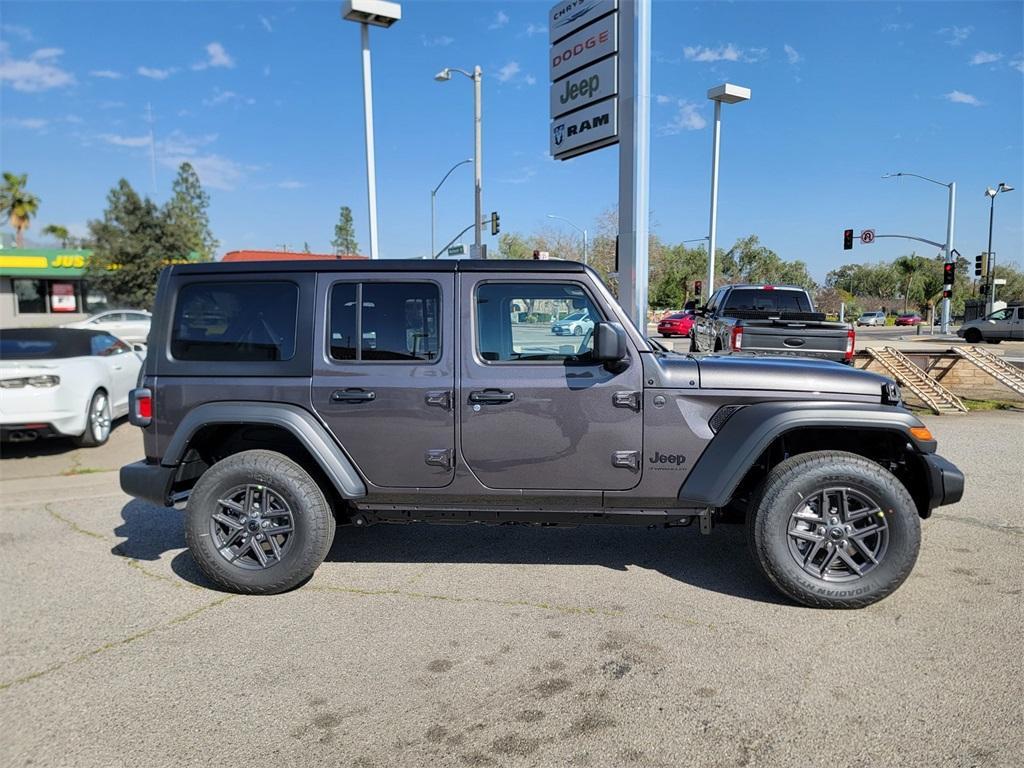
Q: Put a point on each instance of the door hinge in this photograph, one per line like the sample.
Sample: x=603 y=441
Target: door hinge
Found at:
x=626 y=460
x=629 y=400
x=439 y=457
x=441 y=398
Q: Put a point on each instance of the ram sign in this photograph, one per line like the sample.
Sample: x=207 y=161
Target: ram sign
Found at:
x=589 y=128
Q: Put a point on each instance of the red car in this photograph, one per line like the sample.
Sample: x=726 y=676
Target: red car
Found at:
x=676 y=324
x=911 y=318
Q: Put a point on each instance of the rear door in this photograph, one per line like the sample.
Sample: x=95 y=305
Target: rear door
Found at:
x=535 y=412
x=1017 y=332
x=384 y=374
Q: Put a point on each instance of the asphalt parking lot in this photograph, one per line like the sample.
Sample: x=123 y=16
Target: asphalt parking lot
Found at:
x=471 y=646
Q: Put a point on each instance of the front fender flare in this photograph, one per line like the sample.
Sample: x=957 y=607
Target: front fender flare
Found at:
x=300 y=423
x=749 y=431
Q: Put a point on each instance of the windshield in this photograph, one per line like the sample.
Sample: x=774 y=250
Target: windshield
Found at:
x=678 y=315
x=45 y=343
x=767 y=300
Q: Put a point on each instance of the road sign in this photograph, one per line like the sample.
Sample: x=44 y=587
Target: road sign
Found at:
x=867 y=236
x=566 y=17
x=587 y=129
x=590 y=84
x=457 y=250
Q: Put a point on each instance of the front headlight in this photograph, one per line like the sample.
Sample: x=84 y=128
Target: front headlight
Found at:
x=31 y=381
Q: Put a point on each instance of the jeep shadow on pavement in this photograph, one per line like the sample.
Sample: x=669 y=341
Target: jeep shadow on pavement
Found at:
x=281 y=399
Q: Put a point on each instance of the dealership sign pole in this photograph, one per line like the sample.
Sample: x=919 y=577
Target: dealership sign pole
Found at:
x=600 y=58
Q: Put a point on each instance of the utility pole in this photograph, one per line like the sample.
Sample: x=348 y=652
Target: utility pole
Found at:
x=152 y=148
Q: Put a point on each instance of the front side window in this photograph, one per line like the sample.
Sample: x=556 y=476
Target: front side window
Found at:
x=1002 y=314
x=232 y=322
x=534 y=322
x=385 y=322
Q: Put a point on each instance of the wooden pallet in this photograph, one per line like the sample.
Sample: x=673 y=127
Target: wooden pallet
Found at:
x=994 y=366
x=935 y=396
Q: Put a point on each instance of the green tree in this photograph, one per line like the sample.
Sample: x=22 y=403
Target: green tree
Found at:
x=344 y=241
x=57 y=232
x=130 y=246
x=18 y=204
x=187 y=218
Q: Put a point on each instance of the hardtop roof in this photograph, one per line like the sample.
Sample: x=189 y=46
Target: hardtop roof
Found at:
x=381 y=265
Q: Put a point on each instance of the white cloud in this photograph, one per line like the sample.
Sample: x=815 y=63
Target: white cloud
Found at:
x=266 y=23
x=13 y=30
x=687 y=118
x=441 y=41
x=955 y=35
x=111 y=104
x=290 y=184
x=522 y=177
x=225 y=97
x=792 y=55
x=530 y=80
x=109 y=74
x=500 y=20
x=661 y=98
x=216 y=56
x=507 y=72
x=155 y=73
x=535 y=29
x=1018 y=64
x=959 y=97
x=31 y=123
x=984 y=57
x=729 y=52
x=215 y=171
x=39 y=72
x=132 y=142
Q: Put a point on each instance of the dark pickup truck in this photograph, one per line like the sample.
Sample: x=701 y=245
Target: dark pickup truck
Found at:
x=769 y=320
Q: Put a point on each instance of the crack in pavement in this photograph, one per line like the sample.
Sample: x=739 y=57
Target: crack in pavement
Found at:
x=1013 y=530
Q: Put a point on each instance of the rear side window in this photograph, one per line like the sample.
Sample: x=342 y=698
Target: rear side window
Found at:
x=385 y=322
x=244 y=322
x=766 y=300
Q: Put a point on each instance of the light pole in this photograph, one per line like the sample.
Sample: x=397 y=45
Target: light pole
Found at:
x=379 y=13
x=578 y=229
x=729 y=94
x=477 y=76
x=991 y=195
x=950 y=217
x=433 y=197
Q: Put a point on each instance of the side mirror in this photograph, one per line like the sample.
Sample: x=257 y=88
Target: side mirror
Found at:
x=609 y=343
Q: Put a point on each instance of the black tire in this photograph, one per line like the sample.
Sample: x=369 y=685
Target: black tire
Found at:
x=992 y=341
x=800 y=480
x=972 y=336
x=94 y=434
x=301 y=552
x=667 y=335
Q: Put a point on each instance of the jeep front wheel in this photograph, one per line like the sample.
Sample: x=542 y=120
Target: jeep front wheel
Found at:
x=834 y=530
x=257 y=523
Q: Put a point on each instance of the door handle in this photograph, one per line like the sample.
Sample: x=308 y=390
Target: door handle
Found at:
x=492 y=396
x=353 y=396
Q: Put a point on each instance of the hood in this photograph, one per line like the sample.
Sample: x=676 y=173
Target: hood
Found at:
x=779 y=374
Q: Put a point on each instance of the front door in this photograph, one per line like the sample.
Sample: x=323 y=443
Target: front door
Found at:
x=384 y=375
x=535 y=412
x=1017 y=331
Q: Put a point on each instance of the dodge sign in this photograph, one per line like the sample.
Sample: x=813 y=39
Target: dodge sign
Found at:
x=591 y=43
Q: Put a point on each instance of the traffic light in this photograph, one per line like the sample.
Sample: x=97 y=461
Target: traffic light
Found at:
x=495 y=223
x=697 y=285
x=948 y=272
x=847 y=239
x=981 y=265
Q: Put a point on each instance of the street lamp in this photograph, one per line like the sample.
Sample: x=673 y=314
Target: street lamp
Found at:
x=950 y=215
x=991 y=195
x=582 y=231
x=477 y=75
x=729 y=94
x=379 y=13
x=433 y=196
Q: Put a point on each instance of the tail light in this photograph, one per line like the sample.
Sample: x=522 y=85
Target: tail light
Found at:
x=736 y=339
x=140 y=407
x=851 y=338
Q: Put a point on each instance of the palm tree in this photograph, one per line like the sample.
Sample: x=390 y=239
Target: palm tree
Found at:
x=18 y=204
x=58 y=233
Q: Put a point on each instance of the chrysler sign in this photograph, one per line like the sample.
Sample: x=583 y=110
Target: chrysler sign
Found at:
x=589 y=128
x=568 y=16
x=596 y=82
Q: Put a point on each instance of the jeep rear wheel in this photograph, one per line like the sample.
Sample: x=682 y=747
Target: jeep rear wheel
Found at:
x=834 y=530
x=257 y=523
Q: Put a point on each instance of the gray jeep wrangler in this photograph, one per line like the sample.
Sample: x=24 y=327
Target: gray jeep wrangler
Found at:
x=281 y=399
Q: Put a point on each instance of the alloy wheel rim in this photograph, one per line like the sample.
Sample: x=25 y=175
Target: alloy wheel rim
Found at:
x=252 y=527
x=99 y=418
x=838 y=534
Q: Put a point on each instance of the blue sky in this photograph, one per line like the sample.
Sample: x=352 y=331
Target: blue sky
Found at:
x=265 y=99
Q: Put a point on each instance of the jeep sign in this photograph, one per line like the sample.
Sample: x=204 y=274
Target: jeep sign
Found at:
x=593 y=42
x=566 y=17
x=579 y=89
x=589 y=128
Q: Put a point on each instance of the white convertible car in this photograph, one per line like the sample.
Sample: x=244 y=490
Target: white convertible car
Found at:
x=61 y=382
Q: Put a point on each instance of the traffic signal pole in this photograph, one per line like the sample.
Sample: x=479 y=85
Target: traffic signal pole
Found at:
x=949 y=250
